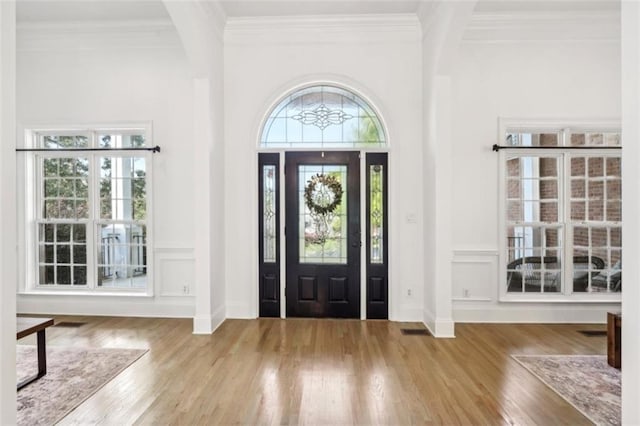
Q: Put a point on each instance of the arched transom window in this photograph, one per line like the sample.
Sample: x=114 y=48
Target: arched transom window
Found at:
x=322 y=117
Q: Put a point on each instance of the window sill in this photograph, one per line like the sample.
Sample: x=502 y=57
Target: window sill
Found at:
x=561 y=299
x=95 y=293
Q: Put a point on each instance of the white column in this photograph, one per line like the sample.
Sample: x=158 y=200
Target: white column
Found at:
x=631 y=212
x=203 y=320
x=8 y=280
x=444 y=326
x=438 y=183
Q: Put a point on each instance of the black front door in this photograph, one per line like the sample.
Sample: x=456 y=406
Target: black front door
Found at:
x=322 y=230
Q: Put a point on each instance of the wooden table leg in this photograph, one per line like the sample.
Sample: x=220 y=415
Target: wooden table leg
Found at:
x=42 y=353
x=614 y=352
x=42 y=360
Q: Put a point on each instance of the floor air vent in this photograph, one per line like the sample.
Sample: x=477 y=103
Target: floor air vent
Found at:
x=69 y=324
x=415 y=332
x=593 y=333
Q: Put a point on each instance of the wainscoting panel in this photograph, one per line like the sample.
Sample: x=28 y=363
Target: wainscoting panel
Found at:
x=474 y=275
x=175 y=271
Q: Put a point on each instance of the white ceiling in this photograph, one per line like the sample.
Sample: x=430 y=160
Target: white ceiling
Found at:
x=134 y=10
x=505 y=6
x=123 y=10
x=89 y=10
x=242 y=8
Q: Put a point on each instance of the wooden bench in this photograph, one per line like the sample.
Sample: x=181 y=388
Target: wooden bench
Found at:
x=614 y=351
x=27 y=326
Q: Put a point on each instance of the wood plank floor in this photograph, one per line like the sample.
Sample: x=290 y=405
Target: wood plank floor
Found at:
x=321 y=372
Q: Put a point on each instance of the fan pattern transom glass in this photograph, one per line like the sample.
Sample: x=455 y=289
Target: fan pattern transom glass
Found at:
x=323 y=117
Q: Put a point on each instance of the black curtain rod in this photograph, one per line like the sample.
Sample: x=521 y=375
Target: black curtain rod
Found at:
x=154 y=149
x=497 y=147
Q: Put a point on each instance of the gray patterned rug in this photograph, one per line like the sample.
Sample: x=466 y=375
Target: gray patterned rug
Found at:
x=585 y=381
x=73 y=375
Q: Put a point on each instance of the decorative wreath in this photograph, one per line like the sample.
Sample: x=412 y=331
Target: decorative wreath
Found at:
x=320 y=205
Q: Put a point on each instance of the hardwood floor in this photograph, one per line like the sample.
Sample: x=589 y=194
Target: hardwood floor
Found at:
x=294 y=371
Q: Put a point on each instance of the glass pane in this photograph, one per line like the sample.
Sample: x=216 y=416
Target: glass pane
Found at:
x=616 y=237
x=118 y=140
x=578 y=166
x=614 y=189
x=613 y=167
x=532 y=139
x=578 y=210
x=596 y=167
x=597 y=259
x=599 y=237
x=580 y=236
x=57 y=250
x=514 y=211
x=323 y=214
x=63 y=275
x=534 y=259
x=596 y=210
x=323 y=116
x=549 y=212
x=122 y=255
x=65 y=188
x=376 y=200
x=513 y=167
x=47 y=275
x=549 y=189
x=269 y=213
x=578 y=189
x=513 y=189
x=595 y=139
x=63 y=253
x=612 y=139
x=63 y=233
x=64 y=141
x=123 y=188
x=80 y=275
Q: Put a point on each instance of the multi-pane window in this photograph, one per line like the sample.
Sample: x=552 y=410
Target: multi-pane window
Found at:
x=90 y=203
x=563 y=212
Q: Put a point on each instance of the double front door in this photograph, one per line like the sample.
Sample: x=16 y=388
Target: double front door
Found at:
x=322 y=233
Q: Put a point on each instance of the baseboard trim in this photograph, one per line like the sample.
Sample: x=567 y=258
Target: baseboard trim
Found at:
x=441 y=329
x=208 y=324
x=523 y=314
x=239 y=311
x=106 y=306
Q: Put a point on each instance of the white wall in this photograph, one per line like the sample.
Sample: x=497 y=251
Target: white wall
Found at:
x=631 y=211
x=78 y=74
x=7 y=214
x=527 y=79
x=378 y=58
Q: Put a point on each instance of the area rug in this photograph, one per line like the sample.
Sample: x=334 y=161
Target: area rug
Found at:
x=73 y=375
x=585 y=381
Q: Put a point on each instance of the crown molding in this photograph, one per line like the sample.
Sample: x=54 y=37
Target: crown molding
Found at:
x=544 y=26
x=41 y=36
x=323 y=29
